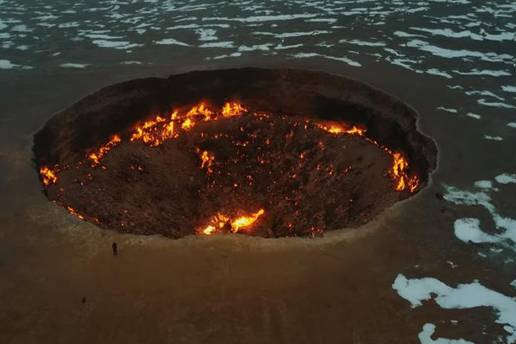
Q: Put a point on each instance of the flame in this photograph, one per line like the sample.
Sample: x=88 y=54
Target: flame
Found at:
x=220 y=221
x=187 y=124
x=48 y=176
x=398 y=172
x=217 y=223
x=207 y=160
x=74 y=212
x=95 y=157
x=159 y=129
x=245 y=221
x=341 y=128
x=200 y=109
x=155 y=131
x=231 y=109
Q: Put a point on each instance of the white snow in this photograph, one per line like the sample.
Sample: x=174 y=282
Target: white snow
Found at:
x=468 y=230
x=464 y=296
x=509 y=88
x=425 y=337
x=261 y=19
x=122 y=45
x=447 y=109
x=171 y=41
x=452 y=54
x=435 y=71
x=6 y=64
x=493 y=138
x=484 y=184
x=506 y=178
x=225 y=45
x=473 y=115
x=488 y=72
x=73 y=65
x=342 y=59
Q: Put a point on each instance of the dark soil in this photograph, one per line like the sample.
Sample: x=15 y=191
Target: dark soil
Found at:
x=307 y=180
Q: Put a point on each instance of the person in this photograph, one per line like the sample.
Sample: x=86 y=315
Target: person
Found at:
x=115 y=249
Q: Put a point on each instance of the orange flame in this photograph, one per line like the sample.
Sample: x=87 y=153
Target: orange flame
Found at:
x=220 y=221
x=95 y=157
x=245 y=221
x=207 y=161
x=200 y=109
x=157 y=130
x=74 y=212
x=398 y=172
x=48 y=176
x=231 y=109
x=340 y=128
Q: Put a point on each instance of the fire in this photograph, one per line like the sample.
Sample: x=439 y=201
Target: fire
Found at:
x=159 y=129
x=400 y=165
x=200 y=109
x=231 y=109
x=207 y=160
x=222 y=222
x=48 y=176
x=74 y=212
x=155 y=131
x=95 y=157
x=340 y=128
x=399 y=174
x=187 y=124
x=245 y=221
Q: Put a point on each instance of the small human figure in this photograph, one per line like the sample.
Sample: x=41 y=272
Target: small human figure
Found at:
x=115 y=249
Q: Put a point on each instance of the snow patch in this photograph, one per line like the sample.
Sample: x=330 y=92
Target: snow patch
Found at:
x=506 y=178
x=171 y=41
x=425 y=337
x=342 y=59
x=73 y=65
x=464 y=296
x=468 y=230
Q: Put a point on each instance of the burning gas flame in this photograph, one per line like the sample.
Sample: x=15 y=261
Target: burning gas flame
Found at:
x=48 y=176
x=222 y=222
x=231 y=109
x=96 y=156
x=340 y=128
x=200 y=109
x=74 y=212
x=159 y=129
x=399 y=173
x=153 y=132
x=207 y=160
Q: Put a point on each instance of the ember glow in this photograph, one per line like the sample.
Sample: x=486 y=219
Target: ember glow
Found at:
x=244 y=161
x=222 y=223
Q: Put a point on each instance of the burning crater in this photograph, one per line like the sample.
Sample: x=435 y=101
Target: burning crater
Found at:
x=262 y=152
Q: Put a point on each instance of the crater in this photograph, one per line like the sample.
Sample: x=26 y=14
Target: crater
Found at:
x=264 y=152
